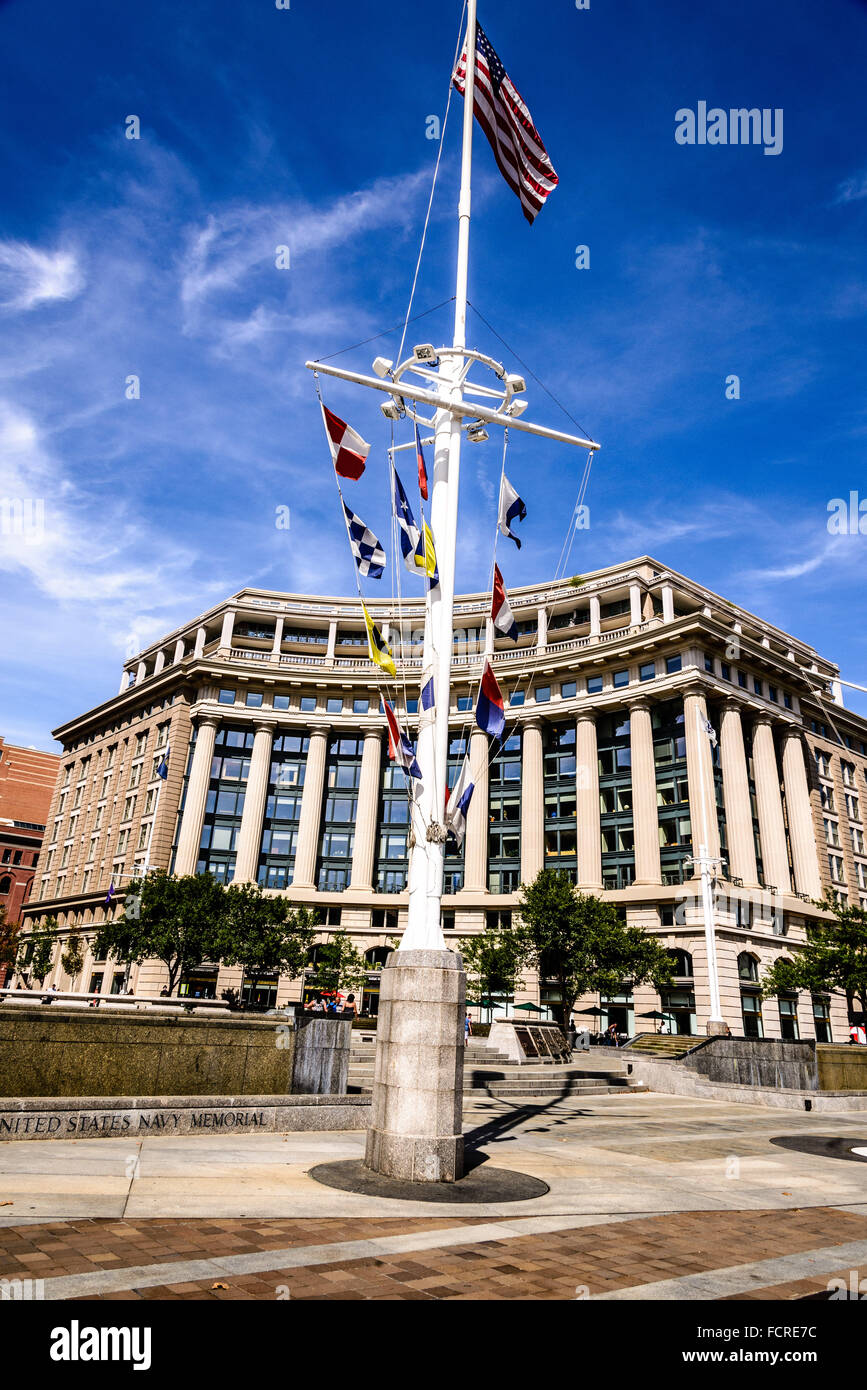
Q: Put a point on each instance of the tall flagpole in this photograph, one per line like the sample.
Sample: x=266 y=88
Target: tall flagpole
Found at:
x=424 y=928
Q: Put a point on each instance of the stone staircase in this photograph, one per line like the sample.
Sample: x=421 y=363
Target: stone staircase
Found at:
x=491 y=1073
x=673 y=1045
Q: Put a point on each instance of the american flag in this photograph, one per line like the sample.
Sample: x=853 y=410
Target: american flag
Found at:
x=502 y=113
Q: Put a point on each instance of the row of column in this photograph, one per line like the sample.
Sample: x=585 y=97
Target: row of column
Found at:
x=252 y=819
x=741 y=851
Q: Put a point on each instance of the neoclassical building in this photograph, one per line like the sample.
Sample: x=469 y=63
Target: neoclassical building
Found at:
x=278 y=771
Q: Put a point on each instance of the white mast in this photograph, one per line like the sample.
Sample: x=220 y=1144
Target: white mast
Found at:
x=424 y=929
x=453 y=411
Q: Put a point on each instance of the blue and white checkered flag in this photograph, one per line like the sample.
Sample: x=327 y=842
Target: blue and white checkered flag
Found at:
x=369 y=554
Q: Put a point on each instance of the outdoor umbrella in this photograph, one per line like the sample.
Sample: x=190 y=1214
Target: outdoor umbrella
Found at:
x=654 y=1013
x=530 y=1008
x=594 y=1010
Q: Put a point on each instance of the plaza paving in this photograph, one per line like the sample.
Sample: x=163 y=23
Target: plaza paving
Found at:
x=651 y=1197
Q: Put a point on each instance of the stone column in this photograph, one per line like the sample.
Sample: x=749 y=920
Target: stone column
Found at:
x=179 y=651
x=532 y=801
x=332 y=641
x=160 y=661
x=124 y=680
x=541 y=628
x=250 y=834
x=476 y=842
x=589 y=829
x=699 y=770
x=801 y=833
x=645 y=819
x=595 y=615
x=736 y=795
x=311 y=810
x=278 y=638
x=368 y=812
x=190 y=836
x=775 y=859
x=140 y=672
x=201 y=638
x=667 y=603
x=634 y=605
x=416 y=1113
x=228 y=629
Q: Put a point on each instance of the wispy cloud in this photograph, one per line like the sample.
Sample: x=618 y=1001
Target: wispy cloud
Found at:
x=30 y=277
x=853 y=189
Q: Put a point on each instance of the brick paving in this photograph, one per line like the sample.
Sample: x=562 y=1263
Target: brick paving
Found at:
x=549 y=1267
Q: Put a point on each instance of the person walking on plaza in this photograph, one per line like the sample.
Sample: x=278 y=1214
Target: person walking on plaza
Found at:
x=468 y=1029
x=350 y=1007
x=573 y=1035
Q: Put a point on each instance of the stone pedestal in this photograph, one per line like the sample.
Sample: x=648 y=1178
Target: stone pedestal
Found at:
x=716 y=1028
x=416 y=1117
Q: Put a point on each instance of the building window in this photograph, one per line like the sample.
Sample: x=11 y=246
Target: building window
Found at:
x=254 y=699
x=788 y=1005
x=569 y=690
x=334 y=705
x=742 y=680
x=757 y=685
x=708 y=663
x=594 y=685
x=647 y=671
x=516 y=697
x=673 y=664
x=383 y=919
x=542 y=694
x=360 y=706
x=308 y=704
x=822 y=1018
x=621 y=678
x=504 y=825
x=280 y=702
x=726 y=671
x=227 y=697
x=465 y=702
x=772 y=694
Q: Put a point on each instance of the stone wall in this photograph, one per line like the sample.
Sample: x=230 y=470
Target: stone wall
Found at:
x=757 y=1062
x=54 y=1051
x=842 y=1068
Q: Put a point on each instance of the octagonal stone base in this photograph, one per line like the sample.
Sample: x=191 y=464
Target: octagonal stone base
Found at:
x=416 y=1116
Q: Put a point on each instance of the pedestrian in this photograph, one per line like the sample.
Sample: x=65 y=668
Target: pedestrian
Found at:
x=350 y=1007
x=468 y=1028
x=316 y=1005
x=573 y=1035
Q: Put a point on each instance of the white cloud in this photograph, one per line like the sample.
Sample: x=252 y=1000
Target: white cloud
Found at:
x=29 y=277
x=853 y=189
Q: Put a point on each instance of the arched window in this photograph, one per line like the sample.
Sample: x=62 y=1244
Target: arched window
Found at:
x=682 y=963
x=377 y=956
x=748 y=967
x=5 y=885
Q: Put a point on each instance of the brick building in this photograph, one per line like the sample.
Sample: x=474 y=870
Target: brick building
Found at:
x=27 y=779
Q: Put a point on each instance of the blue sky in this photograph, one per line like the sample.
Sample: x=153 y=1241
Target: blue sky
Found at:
x=263 y=127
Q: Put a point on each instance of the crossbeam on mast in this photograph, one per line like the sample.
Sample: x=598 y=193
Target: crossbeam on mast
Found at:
x=458 y=407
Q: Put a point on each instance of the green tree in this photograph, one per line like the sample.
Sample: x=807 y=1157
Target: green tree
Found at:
x=338 y=964
x=178 y=920
x=833 y=959
x=72 y=956
x=9 y=940
x=264 y=935
x=491 y=960
x=579 y=940
x=37 y=949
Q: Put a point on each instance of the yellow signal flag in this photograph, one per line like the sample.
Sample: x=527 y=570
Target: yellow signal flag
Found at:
x=377 y=647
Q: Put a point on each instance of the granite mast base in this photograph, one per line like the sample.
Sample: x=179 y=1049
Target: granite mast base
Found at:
x=416 y=1117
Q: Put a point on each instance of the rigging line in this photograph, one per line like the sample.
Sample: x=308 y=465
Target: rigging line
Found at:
x=433 y=186
x=529 y=369
x=386 y=332
x=379 y=674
